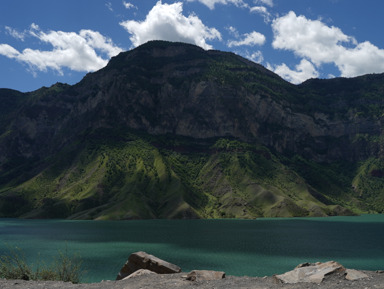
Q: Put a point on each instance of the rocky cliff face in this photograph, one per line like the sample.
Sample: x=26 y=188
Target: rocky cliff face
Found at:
x=181 y=90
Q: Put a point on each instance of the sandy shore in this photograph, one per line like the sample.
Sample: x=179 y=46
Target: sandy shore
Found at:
x=375 y=280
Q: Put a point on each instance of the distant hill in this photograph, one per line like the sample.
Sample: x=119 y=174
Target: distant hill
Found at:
x=169 y=130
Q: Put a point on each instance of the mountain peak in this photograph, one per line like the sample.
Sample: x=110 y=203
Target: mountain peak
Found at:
x=172 y=130
x=155 y=49
x=159 y=52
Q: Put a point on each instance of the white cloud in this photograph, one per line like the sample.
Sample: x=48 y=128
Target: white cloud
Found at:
x=9 y=51
x=303 y=71
x=308 y=38
x=364 y=58
x=97 y=41
x=314 y=40
x=167 y=22
x=263 y=11
x=259 y=9
x=128 y=5
x=264 y=2
x=255 y=56
x=250 y=39
x=76 y=51
x=233 y=31
x=109 y=6
x=211 y=3
x=35 y=26
x=15 y=34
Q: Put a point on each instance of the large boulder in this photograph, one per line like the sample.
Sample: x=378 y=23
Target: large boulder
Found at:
x=310 y=273
x=315 y=273
x=142 y=260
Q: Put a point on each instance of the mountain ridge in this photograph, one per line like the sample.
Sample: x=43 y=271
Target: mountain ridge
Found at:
x=191 y=133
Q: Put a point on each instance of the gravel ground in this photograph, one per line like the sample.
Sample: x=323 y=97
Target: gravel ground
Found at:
x=171 y=281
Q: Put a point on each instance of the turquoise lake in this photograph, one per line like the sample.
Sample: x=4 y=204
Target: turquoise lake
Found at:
x=238 y=247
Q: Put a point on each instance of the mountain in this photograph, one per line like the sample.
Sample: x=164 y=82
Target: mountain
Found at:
x=169 y=130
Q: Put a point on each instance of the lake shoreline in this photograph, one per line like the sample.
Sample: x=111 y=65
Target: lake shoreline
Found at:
x=175 y=281
x=237 y=247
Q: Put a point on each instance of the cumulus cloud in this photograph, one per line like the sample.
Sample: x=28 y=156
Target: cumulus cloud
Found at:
x=303 y=71
x=211 y=3
x=76 y=51
x=167 y=22
x=250 y=39
x=319 y=43
x=364 y=58
x=308 y=38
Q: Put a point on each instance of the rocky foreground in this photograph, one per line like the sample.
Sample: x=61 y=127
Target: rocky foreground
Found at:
x=174 y=281
x=146 y=271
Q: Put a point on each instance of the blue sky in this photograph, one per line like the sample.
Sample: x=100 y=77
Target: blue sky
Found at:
x=47 y=41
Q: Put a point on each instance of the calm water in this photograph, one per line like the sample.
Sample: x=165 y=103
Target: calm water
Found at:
x=238 y=247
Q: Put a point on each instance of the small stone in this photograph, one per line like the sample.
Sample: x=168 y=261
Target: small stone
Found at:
x=205 y=275
x=139 y=273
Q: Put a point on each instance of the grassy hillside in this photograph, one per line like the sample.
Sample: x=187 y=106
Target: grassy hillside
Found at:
x=116 y=174
x=368 y=184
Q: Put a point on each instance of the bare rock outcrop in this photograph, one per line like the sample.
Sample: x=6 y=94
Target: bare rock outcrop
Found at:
x=315 y=273
x=142 y=260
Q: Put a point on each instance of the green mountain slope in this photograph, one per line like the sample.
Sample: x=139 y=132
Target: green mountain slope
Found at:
x=169 y=130
x=116 y=175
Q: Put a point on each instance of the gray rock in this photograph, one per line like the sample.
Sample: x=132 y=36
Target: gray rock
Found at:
x=205 y=275
x=139 y=272
x=142 y=260
x=310 y=273
x=352 y=275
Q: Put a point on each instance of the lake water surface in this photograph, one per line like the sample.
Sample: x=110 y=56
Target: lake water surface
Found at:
x=238 y=247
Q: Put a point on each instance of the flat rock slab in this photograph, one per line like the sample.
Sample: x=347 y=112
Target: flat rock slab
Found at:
x=310 y=273
x=352 y=275
x=142 y=260
x=205 y=275
x=139 y=272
